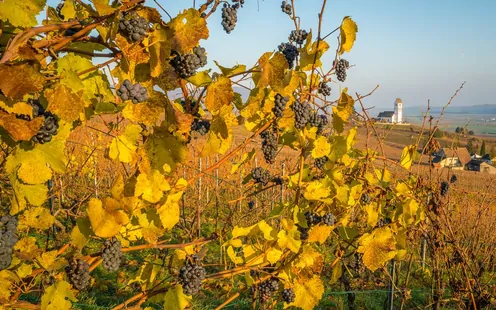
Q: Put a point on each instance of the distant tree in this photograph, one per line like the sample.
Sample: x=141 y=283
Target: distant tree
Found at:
x=471 y=132
x=470 y=146
x=483 y=148
x=458 y=130
x=438 y=134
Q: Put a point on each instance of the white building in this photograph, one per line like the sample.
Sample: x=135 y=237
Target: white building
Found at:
x=395 y=116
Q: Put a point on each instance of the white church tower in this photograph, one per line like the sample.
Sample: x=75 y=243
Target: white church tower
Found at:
x=398 y=111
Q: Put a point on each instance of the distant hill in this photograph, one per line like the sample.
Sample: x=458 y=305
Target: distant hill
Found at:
x=475 y=109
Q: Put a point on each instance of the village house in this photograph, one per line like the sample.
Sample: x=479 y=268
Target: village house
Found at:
x=451 y=158
x=481 y=166
x=395 y=117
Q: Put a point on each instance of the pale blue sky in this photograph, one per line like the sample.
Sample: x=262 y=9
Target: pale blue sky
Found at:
x=414 y=49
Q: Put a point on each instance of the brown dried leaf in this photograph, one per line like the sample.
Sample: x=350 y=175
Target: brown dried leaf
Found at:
x=20 y=129
x=19 y=80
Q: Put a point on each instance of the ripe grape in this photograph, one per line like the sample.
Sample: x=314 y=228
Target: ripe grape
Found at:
x=320 y=162
x=269 y=146
x=193 y=106
x=133 y=26
x=303 y=233
x=312 y=218
x=383 y=222
x=251 y=204
x=136 y=93
x=341 y=67
x=202 y=126
x=290 y=52
x=279 y=105
x=277 y=180
x=298 y=36
x=260 y=175
x=444 y=188
x=288 y=295
x=318 y=120
x=324 y=89
x=267 y=288
x=286 y=8
x=229 y=17
x=191 y=276
x=8 y=238
x=302 y=113
x=453 y=179
x=112 y=254
x=78 y=272
x=50 y=124
x=365 y=199
x=238 y=3
x=186 y=65
x=328 y=219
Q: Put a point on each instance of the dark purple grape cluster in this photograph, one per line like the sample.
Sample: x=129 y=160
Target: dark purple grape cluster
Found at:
x=201 y=126
x=303 y=233
x=341 y=66
x=453 y=179
x=312 y=218
x=280 y=105
x=8 y=238
x=269 y=146
x=78 y=272
x=383 y=222
x=288 y=295
x=324 y=89
x=365 y=199
x=136 y=93
x=260 y=175
x=251 y=204
x=111 y=254
x=133 y=26
x=186 y=65
x=191 y=276
x=229 y=17
x=268 y=288
x=50 y=125
x=290 y=52
x=318 y=120
x=302 y=112
x=298 y=36
x=320 y=162
x=277 y=180
x=286 y=7
x=193 y=106
x=444 y=188
x=328 y=219
x=238 y=3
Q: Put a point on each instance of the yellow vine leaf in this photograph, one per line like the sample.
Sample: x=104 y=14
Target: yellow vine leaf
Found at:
x=19 y=129
x=231 y=71
x=316 y=190
x=152 y=186
x=372 y=214
x=160 y=151
x=309 y=51
x=246 y=158
x=66 y=104
x=106 y=218
x=26 y=248
x=103 y=7
x=124 y=146
x=160 y=49
x=378 y=248
x=308 y=293
x=321 y=147
x=58 y=297
x=272 y=68
x=235 y=259
x=150 y=226
x=319 y=233
x=242 y=231
x=24 y=270
x=37 y=218
x=7 y=277
x=308 y=258
x=189 y=28
x=220 y=134
x=21 y=13
x=267 y=230
x=69 y=9
x=175 y=299
x=408 y=155
x=348 y=31
x=47 y=259
x=343 y=111
x=169 y=211
x=36 y=195
x=149 y=112
x=289 y=237
x=273 y=255
x=147 y=273
x=219 y=93
x=80 y=234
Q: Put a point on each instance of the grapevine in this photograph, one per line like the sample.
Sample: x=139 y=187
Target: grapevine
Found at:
x=191 y=276
x=111 y=255
x=78 y=272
